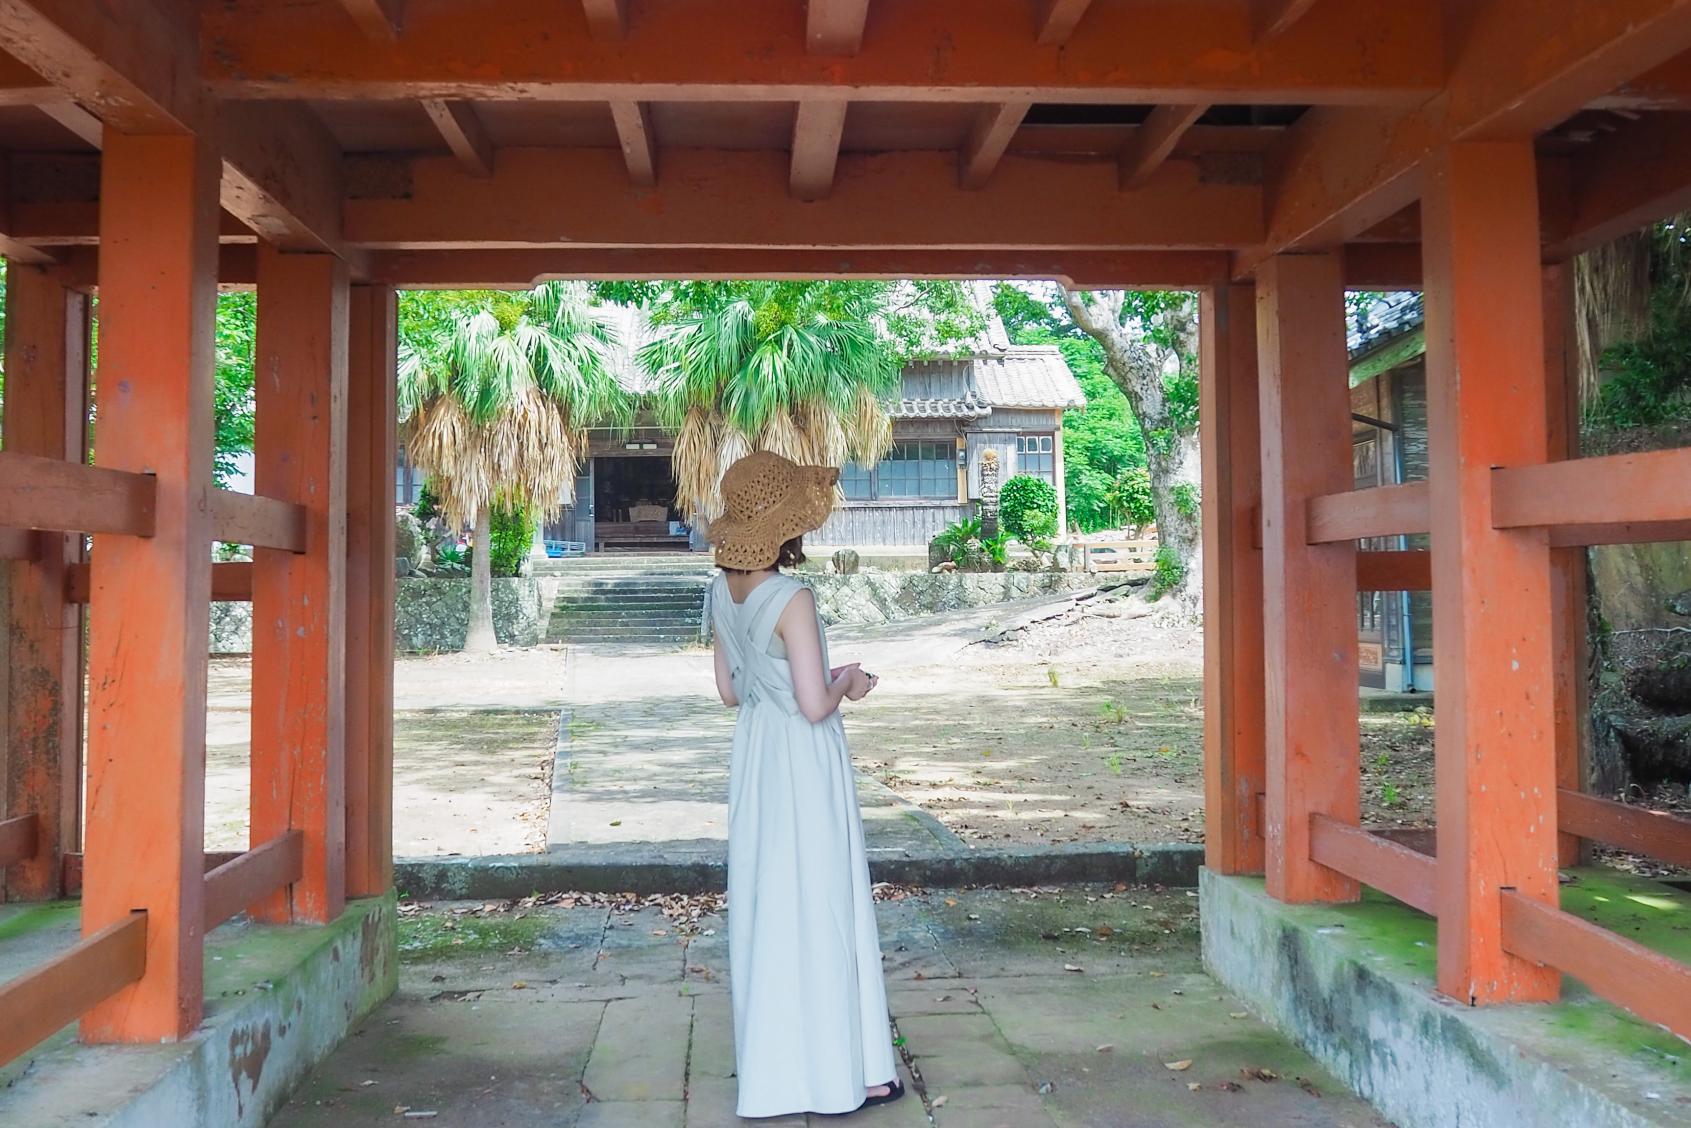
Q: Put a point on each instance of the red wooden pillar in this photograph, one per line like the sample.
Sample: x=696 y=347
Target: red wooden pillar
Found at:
x=299 y=599
x=150 y=597
x=1233 y=662
x=1568 y=576
x=1495 y=743
x=372 y=379
x=1309 y=591
x=46 y=415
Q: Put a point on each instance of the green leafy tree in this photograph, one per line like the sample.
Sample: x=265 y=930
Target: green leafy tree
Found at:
x=1027 y=508
x=496 y=393
x=236 y=335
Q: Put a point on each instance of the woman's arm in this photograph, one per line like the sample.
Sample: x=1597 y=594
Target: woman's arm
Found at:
x=724 y=677
x=818 y=694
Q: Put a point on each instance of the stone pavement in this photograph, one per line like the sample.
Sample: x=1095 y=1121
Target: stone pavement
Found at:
x=1079 y=1007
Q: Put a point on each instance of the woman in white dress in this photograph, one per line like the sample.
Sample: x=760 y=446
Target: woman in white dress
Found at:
x=810 y=1010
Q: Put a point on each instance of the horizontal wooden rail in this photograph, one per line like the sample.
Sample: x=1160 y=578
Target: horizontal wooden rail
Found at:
x=19 y=839
x=17 y=544
x=1655 y=834
x=73 y=497
x=1617 y=489
x=262 y=522
x=231 y=582
x=1622 y=532
x=1384 y=511
x=1394 y=571
x=1392 y=868
x=41 y=1002
x=236 y=884
x=1649 y=984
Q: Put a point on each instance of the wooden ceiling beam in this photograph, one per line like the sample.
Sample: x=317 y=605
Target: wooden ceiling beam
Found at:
x=581 y=197
x=835 y=27
x=817 y=128
x=1521 y=67
x=1154 y=140
x=974 y=51
x=607 y=20
x=1631 y=178
x=77 y=120
x=1056 y=20
x=282 y=175
x=1276 y=17
x=990 y=135
x=463 y=133
x=379 y=20
x=633 y=121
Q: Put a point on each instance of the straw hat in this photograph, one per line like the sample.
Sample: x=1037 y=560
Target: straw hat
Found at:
x=768 y=500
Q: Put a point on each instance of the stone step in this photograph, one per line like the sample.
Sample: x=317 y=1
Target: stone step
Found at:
x=668 y=623
x=689 y=591
x=668 y=638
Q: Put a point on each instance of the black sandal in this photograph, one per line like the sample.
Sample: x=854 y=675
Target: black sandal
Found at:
x=895 y=1090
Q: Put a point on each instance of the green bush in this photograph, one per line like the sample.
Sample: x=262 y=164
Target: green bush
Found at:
x=427 y=507
x=1131 y=496
x=963 y=545
x=1169 y=572
x=513 y=537
x=1185 y=496
x=1027 y=510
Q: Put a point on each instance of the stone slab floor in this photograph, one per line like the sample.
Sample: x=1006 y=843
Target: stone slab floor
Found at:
x=1014 y=1008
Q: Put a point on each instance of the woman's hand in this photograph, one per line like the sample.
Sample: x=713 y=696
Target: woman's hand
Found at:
x=858 y=683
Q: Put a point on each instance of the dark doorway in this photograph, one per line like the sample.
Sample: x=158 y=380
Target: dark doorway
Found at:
x=634 y=505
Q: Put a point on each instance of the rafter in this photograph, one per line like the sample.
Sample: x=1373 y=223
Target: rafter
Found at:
x=1154 y=140
x=607 y=20
x=1057 y=20
x=282 y=174
x=77 y=120
x=380 y=20
x=1523 y=67
x=1276 y=17
x=463 y=133
x=988 y=138
x=835 y=27
x=1635 y=176
x=543 y=197
x=633 y=121
x=936 y=51
x=817 y=127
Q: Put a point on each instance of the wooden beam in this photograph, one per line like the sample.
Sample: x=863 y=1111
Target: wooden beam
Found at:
x=1380 y=863
x=1154 y=140
x=988 y=137
x=42 y=1001
x=77 y=120
x=1057 y=19
x=1382 y=511
x=135 y=66
x=1641 y=532
x=263 y=522
x=60 y=496
x=1569 y=596
x=379 y=20
x=282 y=174
x=544 y=197
x=47 y=337
x=1522 y=67
x=20 y=839
x=150 y=604
x=974 y=51
x=607 y=20
x=372 y=356
x=231 y=582
x=835 y=27
x=1652 y=986
x=1078 y=269
x=1494 y=710
x=1309 y=590
x=1616 y=489
x=817 y=127
x=261 y=872
x=1234 y=705
x=463 y=133
x=1658 y=835
x=1276 y=17
x=1626 y=180
x=17 y=544
x=633 y=121
x=1394 y=571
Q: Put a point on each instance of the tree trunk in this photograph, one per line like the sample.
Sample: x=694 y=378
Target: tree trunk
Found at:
x=1171 y=451
x=480 y=638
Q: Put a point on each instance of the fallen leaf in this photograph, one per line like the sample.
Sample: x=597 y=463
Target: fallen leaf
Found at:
x=1193 y=1086
x=1073 y=967
x=1239 y=1014
x=616 y=822
x=1046 y=1088
x=1260 y=1074
x=1178 y=1066
x=1231 y=1087
x=939 y=1102
x=951 y=901
x=1106 y=1047
x=1308 y=1087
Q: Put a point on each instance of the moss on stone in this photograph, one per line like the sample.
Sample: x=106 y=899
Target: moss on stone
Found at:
x=434 y=935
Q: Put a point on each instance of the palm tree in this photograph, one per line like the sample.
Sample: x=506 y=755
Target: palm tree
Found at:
x=794 y=368
x=497 y=396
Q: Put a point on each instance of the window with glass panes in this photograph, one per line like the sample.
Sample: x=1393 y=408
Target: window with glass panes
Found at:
x=1036 y=456
x=910 y=470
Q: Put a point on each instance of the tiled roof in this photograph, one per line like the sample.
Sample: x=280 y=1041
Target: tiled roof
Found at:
x=1027 y=376
x=1385 y=320
x=968 y=407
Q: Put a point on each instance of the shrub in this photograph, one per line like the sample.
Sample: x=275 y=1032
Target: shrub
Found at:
x=1131 y=495
x=427 y=507
x=512 y=536
x=953 y=542
x=1027 y=509
x=1185 y=499
x=1170 y=570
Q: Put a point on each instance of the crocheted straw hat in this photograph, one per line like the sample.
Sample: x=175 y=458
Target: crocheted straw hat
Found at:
x=768 y=500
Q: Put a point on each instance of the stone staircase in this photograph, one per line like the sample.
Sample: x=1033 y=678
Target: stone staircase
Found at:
x=627 y=599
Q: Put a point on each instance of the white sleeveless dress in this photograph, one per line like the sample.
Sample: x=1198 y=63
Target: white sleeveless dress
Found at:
x=810 y=1008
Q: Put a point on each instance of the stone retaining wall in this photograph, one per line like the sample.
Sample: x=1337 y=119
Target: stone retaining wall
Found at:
x=882 y=597
x=429 y=616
